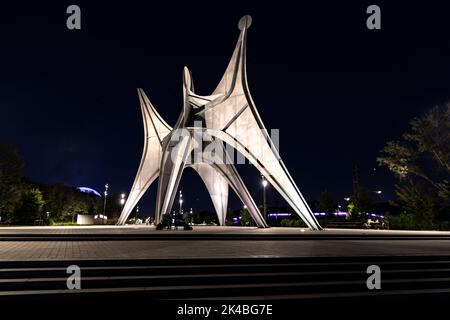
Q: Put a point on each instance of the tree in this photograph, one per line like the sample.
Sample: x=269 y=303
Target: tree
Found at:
x=327 y=203
x=419 y=202
x=11 y=174
x=204 y=216
x=58 y=198
x=421 y=162
x=360 y=203
x=30 y=209
x=424 y=152
x=65 y=202
x=245 y=218
x=113 y=206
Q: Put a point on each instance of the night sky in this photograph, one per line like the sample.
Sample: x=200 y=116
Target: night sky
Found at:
x=336 y=90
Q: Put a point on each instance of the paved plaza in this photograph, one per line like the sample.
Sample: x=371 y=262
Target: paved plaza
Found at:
x=203 y=229
x=305 y=245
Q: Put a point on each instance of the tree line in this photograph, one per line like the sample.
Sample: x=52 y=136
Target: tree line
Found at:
x=419 y=159
x=420 y=162
x=25 y=203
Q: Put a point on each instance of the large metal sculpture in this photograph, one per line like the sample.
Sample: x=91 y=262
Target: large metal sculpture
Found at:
x=227 y=117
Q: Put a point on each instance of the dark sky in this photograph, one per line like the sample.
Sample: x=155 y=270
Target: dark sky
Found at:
x=336 y=90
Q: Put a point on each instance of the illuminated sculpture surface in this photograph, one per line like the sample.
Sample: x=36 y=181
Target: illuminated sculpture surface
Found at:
x=227 y=117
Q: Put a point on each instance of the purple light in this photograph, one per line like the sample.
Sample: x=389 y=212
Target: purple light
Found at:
x=320 y=214
x=375 y=215
x=89 y=190
x=323 y=214
x=341 y=213
x=279 y=214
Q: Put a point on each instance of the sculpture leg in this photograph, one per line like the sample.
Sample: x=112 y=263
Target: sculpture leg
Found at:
x=217 y=186
x=173 y=163
x=242 y=192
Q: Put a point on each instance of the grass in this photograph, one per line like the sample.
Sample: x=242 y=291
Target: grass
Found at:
x=59 y=224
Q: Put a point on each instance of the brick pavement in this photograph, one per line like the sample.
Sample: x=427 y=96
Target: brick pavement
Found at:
x=137 y=249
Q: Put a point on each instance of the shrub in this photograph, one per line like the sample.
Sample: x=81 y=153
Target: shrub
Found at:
x=292 y=223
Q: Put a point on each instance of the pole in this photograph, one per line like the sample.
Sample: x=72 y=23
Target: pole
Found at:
x=104 y=204
x=181 y=202
x=104 y=201
x=264 y=184
x=264 y=204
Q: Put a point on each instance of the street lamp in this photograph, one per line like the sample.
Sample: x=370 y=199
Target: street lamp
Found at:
x=181 y=202
x=122 y=199
x=104 y=201
x=264 y=184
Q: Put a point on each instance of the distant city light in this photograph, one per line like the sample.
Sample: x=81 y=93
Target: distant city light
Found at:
x=279 y=214
x=320 y=214
x=343 y=213
x=122 y=198
x=181 y=202
x=264 y=183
